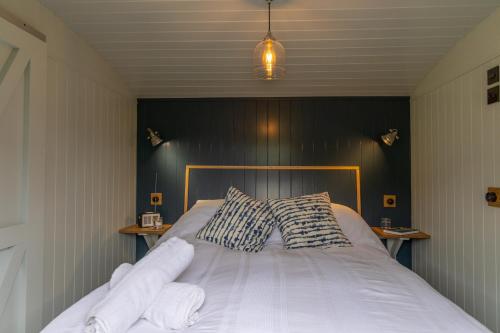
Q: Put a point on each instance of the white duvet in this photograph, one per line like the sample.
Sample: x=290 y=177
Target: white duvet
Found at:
x=358 y=289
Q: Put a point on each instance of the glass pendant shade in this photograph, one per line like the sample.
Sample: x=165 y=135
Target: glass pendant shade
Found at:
x=269 y=59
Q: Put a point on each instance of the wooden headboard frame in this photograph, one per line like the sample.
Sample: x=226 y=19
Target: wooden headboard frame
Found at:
x=276 y=168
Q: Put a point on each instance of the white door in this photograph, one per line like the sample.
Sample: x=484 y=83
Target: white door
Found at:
x=22 y=169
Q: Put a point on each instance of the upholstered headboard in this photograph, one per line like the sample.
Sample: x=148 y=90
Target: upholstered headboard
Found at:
x=270 y=181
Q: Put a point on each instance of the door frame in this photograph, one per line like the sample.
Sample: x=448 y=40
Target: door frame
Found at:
x=24 y=238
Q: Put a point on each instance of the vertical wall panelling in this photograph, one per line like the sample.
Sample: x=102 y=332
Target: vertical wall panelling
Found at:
x=277 y=131
x=455 y=158
x=90 y=162
x=468 y=194
x=50 y=191
x=496 y=180
x=90 y=185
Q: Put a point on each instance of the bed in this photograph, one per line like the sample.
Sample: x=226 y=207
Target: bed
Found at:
x=339 y=289
x=352 y=289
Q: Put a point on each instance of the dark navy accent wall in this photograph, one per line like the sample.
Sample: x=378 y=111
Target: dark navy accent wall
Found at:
x=277 y=131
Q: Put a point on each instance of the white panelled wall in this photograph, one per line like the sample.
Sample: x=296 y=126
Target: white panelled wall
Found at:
x=90 y=163
x=90 y=185
x=455 y=157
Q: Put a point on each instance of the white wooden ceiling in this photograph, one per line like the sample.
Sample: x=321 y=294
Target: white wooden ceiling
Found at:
x=203 y=48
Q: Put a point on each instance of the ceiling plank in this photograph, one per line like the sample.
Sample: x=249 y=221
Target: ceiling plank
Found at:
x=204 y=48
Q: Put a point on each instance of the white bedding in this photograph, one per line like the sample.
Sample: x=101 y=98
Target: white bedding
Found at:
x=358 y=289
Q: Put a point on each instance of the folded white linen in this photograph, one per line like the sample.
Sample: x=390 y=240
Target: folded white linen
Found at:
x=176 y=306
x=119 y=273
x=135 y=292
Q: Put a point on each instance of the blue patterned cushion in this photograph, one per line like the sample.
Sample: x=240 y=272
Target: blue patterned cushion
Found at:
x=308 y=221
x=241 y=223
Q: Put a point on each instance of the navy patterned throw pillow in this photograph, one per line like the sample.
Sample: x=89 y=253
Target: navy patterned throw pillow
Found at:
x=241 y=223
x=308 y=221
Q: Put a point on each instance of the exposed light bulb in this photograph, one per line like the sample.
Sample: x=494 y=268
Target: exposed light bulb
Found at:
x=269 y=57
x=269 y=60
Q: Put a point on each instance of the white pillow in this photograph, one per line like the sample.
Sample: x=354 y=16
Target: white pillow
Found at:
x=275 y=237
x=193 y=220
x=209 y=203
x=356 y=228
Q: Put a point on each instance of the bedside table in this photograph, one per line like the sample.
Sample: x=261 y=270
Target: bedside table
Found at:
x=394 y=242
x=149 y=234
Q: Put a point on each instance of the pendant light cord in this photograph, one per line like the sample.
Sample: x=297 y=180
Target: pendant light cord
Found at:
x=269 y=16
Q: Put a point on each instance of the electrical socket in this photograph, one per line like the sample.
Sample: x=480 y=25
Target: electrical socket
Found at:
x=156 y=199
x=389 y=201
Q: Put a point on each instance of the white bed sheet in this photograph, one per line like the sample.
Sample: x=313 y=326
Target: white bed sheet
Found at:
x=358 y=289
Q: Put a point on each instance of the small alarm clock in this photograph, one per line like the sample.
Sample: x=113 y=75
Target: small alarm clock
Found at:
x=149 y=220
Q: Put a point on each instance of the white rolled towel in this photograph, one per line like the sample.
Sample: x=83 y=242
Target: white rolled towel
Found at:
x=119 y=273
x=135 y=292
x=176 y=306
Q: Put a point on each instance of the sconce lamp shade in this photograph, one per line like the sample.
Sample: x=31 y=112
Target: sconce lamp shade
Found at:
x=154 y=137
x=390 y=137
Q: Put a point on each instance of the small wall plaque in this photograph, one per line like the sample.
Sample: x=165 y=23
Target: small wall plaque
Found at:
x=493 y=75
x=493 y=197
x=493 y=93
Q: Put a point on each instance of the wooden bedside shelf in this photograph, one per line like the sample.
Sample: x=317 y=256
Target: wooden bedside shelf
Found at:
x=135 y=229
x=149 y=234
x=380 y=232
x=394 y=242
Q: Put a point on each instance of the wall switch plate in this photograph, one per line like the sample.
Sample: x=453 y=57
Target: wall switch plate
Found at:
x=389 y=201
x=493 y=197
x=156 y=199
x=493 y=75
x=493 y=94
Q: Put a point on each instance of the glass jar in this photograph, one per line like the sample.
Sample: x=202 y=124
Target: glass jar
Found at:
x=385 y=223
x=158 y=222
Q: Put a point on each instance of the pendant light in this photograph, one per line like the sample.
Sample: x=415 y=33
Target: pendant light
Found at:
x=269 y=55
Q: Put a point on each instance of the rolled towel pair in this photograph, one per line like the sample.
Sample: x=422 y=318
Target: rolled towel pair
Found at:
x=176 y=306
x=119 y=273
x=132 y=295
